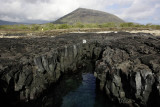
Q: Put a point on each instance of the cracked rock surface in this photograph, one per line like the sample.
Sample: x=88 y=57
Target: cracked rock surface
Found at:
x=129 y=70
x=127 y=65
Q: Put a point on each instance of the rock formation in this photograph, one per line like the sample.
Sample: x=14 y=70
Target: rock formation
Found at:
x=127 y=65
x=129 y=71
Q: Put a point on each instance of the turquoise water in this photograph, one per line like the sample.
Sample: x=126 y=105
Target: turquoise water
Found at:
x=78 y=90
x=84 y=95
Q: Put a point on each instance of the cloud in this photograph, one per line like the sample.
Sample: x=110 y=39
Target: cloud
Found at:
x=141 y=10
x=130 y=10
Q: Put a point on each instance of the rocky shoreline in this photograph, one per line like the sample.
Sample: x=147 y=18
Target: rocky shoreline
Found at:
x=127 y=65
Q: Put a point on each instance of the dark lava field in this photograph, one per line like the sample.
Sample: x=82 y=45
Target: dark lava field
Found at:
x=126 y=67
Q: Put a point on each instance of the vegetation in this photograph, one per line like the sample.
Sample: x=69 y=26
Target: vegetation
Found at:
x=51 y=26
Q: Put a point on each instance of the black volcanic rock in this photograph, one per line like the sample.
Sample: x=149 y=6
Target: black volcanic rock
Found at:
x=83 y=15
x=129 y=71
x=127 y=65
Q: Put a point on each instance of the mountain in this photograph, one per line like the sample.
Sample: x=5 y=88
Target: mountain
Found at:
x=26 y=22
x=83 y=15
x=36 y=21
x=7 y=23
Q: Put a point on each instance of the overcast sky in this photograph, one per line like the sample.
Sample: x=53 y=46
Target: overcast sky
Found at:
x=140 y=11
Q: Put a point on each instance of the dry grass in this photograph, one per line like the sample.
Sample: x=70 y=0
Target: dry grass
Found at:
x=56 y=32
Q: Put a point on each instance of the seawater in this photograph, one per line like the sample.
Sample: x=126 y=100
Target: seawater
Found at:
x=84 y=95
x=78 y=90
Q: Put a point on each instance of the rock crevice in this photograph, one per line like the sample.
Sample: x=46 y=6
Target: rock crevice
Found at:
x=31 y=80
x=127 y=65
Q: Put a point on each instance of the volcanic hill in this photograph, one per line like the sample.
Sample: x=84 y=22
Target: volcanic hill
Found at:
x=83 y=15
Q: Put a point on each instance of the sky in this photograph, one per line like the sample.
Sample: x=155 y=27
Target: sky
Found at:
x=138 y=11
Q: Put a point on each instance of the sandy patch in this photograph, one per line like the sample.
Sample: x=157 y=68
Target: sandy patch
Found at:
x=154 y=32
x=30 y=35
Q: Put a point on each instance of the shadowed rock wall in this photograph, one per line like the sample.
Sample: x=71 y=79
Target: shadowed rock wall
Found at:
x=129 y=71
x=31 y=80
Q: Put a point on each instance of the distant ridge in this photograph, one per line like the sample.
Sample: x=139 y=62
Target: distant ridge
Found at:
x=2 y=22
x=7 y=23
x=83 y=15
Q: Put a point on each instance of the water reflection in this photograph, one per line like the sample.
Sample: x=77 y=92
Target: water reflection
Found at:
x=84 y=95
x=68 y=83
x=73 y=90
x=77 y=91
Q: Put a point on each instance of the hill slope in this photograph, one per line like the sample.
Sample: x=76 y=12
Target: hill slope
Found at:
x=83 y=15
x=2 y=22
x=7 y=23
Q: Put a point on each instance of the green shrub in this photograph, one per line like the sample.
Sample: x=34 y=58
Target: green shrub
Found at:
x=49 y=26
x=63 y=26
x=23 y=27
x=125 y=25
x=155 y=26
x=78 y=25
x=111 y=24
x=2 y=27
x=35 y=27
